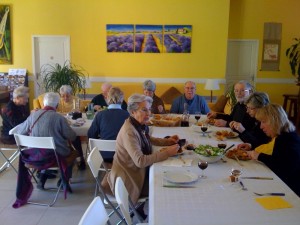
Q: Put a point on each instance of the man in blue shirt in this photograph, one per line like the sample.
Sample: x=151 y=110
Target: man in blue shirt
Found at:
x=190 y=100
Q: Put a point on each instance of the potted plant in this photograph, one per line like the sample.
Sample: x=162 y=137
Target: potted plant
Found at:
x=54 y=76
x=293 y=54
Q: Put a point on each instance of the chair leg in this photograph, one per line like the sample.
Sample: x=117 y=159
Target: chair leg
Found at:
x=9 y=160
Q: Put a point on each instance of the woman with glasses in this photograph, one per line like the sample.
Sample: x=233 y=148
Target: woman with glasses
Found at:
x=158 y=106
x=134 y=154
x=254 y=136
x=285 y=157
x=242 y=90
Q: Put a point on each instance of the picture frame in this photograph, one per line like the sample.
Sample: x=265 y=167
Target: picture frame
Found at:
x=271 y=51
x=5 y=35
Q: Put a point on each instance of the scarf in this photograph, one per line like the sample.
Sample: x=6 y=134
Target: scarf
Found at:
x=143 y=131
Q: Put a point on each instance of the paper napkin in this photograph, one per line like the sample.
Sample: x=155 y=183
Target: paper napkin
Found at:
x=177 y=162
x=273 y=202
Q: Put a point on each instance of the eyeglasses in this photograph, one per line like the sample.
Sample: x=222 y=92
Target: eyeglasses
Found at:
x=250 y=108
x=190 y=88
x=240 y=91
x=145 y=110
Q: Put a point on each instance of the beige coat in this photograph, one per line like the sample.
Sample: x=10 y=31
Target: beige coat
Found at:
x=129 y=161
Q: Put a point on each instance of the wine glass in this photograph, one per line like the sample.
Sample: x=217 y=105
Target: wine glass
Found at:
x=236 y=172
x=197 y=117
x=222 y=144
x=202 y=165
x=204 y=128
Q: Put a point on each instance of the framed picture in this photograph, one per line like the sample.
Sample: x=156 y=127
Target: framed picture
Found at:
x=271 y=51
x=119 y=37
x=5 y=35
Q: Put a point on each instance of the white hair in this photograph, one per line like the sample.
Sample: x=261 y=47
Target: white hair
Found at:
x=51 y=99
x=20 y=92
x=134 y=101
x=65 y=89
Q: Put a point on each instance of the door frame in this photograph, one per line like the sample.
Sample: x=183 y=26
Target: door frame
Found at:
x=35 y=54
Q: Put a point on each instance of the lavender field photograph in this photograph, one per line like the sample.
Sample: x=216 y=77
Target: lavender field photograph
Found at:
x=119 y=38
x=148 y=38
x=177 y=38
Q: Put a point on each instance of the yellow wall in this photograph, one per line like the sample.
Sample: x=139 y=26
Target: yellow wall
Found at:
x=247 y=18
x=213 y=22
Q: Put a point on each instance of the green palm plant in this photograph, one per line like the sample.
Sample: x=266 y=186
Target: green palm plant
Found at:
x=54 y=76
x=293 y=54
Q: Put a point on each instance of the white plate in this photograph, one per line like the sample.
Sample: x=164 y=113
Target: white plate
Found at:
x=235 y=134
x=180 y=177
x=198 y=129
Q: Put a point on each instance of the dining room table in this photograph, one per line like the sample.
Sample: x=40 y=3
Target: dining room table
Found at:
x=178 y=195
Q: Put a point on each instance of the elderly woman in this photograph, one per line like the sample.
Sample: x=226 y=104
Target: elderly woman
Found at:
x=242 y=90
x=66 y=105
x=46 y=122
x=254 y=135
x=14 y=113
x=107 y=123
x=285 y=158
x=158 y=106
x=134 y=154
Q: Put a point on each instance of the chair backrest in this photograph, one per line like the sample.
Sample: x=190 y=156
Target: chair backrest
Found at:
x=94 y=161
x=103 y=145
x=34 y=142
x=121 y=194
x=95 y=214
x=13 y=130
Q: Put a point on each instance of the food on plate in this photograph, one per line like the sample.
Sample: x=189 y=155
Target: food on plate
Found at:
x=190 y=147
x=166 y=120
x=221 y=134
x=178 y=152
x=211 y=121
x=199 y=123
x=208 y=150
x=239 y=153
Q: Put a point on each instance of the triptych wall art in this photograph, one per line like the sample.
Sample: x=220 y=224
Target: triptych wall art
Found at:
x=149 y=38
x=5 y=35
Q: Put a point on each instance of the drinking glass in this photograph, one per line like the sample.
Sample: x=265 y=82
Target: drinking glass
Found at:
x=197 y=117
x=202 y=165
x=204 y=128
x=222 y=144
x=236 y=172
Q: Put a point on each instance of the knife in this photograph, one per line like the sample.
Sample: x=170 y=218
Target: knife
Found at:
x=177 y=186
x=258 y=178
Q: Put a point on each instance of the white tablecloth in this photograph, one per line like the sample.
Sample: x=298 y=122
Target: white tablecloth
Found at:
x=215 y=200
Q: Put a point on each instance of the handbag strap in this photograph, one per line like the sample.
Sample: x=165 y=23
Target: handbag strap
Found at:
x=30 y=129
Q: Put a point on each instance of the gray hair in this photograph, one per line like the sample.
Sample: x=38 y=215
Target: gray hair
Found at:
x=258 y=99
x=134 y=101
x=149 y=85
x=247 y=85
x=65 y=89
x=51 y=99
x=276 y=117
x=21 y=91
x=115 y=96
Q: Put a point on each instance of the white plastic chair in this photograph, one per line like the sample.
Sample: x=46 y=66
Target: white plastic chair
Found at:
x=123 y=200
x=24 y=142
x=9 y=160
x=95 y=214
x=95 y=161
x=103 y=146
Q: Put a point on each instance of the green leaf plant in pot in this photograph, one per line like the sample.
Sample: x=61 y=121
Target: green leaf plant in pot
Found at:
x=54 y=76
x=293 y=54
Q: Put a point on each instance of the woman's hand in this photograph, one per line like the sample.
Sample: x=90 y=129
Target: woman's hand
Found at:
x=97 y=107
x=237 y=126
x=211 y=115
x=253 y=154
x=220 y=123
x=173 y=149
x=160 y=108
x=244 y=146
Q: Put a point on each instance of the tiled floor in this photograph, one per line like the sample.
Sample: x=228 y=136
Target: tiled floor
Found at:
x=66 y=212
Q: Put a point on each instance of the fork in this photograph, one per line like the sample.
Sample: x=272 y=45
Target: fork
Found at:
x=273 y=194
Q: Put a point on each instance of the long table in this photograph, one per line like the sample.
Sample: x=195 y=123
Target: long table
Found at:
x=215 y=200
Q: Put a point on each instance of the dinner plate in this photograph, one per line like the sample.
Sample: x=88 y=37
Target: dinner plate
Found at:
x=234 y=134
x=197 y=128
x=180 y=177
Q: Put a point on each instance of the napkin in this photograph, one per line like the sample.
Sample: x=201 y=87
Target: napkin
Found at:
x=178 y=162
x=273 y=202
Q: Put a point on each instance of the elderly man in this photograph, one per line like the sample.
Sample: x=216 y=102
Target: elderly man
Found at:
x=100 y=101
x=158 y=106
x=189 y=101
